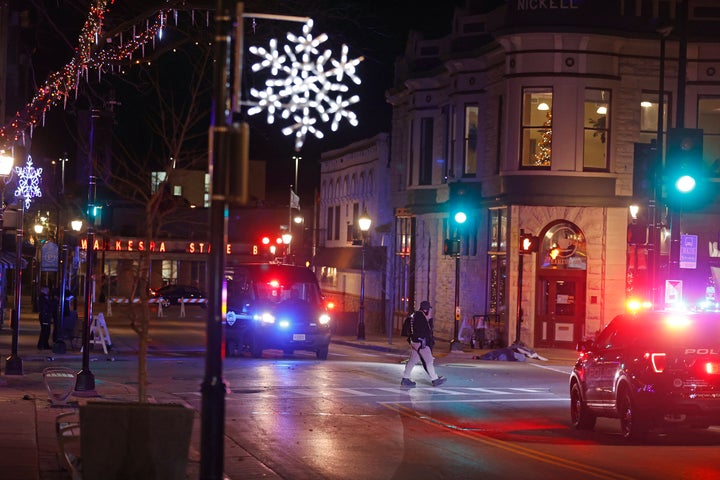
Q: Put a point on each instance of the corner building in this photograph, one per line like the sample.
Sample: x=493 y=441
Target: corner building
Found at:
x=541 y=117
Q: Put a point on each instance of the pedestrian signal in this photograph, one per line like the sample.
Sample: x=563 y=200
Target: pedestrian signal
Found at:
x=528 y=243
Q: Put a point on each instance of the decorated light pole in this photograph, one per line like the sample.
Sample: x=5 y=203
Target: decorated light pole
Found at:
x=28 y=188
x=310 y=83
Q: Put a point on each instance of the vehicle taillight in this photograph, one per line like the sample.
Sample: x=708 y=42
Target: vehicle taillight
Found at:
x=658 y=361
x=330 y=305
x=712 y=368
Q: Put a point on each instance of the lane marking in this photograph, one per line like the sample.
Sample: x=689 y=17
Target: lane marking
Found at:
x=510 y=447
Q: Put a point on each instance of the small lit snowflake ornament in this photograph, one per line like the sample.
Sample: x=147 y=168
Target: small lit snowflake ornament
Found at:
x=305 y=84
x=28 y=182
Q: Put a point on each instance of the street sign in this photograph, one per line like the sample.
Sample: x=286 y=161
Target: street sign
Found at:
x=673 y=291
x=688 y=251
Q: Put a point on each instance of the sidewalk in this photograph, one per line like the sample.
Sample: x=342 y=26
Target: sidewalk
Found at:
x=28 y=445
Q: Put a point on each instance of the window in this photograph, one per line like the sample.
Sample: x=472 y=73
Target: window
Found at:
x=157 y=178
x=426 y=152
x=497 y=229
x=329 y=224
x=404 y=276
x=471 y=140
x=537 y=128
x=709 y=121
x=596 y=129
x=649 y=116
x=337 y=222
x=446 y=142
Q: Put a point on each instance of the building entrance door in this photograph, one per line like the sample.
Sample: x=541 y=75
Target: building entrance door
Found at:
x=560 y=312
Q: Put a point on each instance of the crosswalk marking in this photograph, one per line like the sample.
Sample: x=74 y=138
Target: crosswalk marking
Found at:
x=488 y=390
x=448 y=392
x=331 y=392
x=352 y=391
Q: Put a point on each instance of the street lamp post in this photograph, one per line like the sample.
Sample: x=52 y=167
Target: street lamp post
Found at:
x=85 y=380
x=28 y=188
x=6 y=165
x=13 y=363
x=364 y=222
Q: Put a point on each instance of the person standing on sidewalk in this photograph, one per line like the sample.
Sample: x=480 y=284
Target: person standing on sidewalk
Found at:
x=421 y=341
x=46 y=313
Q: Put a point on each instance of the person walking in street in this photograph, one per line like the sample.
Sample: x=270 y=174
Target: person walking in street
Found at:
x=421 y=341
x=45 y=315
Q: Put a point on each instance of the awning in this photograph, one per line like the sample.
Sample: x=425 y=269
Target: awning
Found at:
x=7 y=260
x=350 y=258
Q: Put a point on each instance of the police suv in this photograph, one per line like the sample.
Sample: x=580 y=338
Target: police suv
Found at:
x=275 y=306
x=650 y=369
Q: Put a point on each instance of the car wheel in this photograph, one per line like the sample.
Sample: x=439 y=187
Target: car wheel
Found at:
x=230 y=349
x=255 y=348
x=322 y=353
x=632 y=425
x=580 y=415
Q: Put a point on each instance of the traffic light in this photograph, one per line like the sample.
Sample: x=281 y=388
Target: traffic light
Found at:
x=684 y=166
x=451 y=246
x=528 y=243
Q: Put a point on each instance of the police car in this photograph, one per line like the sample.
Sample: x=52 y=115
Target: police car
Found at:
x=275 y=306
x=650 y=369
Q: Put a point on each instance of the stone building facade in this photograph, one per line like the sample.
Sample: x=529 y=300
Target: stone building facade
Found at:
x=533 y=118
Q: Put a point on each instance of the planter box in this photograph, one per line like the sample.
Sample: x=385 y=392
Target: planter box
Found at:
x=139 y=441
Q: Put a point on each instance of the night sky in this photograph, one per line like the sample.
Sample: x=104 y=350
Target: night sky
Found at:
x=376 y=29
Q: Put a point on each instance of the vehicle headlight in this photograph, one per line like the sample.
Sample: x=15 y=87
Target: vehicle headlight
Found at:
x=324 y=319
x=265 y=317
x=284 y=323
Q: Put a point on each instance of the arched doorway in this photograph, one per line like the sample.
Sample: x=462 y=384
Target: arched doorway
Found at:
x=561 y=285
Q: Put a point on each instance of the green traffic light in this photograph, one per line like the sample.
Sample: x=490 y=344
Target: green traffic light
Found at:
x=685 y=184
x=460 y=217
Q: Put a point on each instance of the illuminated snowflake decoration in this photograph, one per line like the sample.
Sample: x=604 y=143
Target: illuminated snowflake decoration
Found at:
x=28 y=182
x=305 y=85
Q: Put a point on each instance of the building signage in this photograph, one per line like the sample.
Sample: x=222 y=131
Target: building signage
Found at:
x=688 y=251
x=49 y=257
x=161 y=246
x=547 y=4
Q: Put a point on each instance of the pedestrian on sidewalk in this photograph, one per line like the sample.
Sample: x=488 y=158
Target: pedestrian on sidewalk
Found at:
x=421 y=341
x=45 y=315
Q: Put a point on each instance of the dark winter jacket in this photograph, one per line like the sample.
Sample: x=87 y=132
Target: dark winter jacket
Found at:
x=421 y=327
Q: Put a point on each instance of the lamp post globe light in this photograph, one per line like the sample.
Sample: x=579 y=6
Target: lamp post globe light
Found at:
x=364 y=222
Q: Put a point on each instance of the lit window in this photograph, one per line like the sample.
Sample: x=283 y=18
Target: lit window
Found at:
x=471 y=139
x=596 y=129
x=709 y=122
x=649 y=116
x=537 y=128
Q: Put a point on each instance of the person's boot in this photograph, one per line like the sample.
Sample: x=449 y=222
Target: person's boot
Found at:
x=406 y=382
x=439 y=381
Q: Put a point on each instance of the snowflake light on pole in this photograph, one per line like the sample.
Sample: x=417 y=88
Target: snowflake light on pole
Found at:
x=306 y=84
x=28 y=182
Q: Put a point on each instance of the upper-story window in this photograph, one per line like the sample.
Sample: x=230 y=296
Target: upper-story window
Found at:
x=709 y=122
x=596 y=129
x=426 y=151
x=471 y=140
x=537 y=128
x=649 y=116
